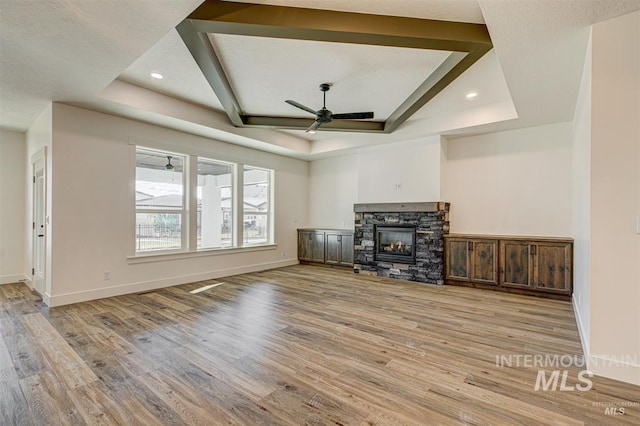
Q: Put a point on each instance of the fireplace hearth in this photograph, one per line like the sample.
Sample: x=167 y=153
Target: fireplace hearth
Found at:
x=401 y=240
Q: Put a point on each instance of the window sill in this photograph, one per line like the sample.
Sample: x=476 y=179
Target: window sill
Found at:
x=161 y=257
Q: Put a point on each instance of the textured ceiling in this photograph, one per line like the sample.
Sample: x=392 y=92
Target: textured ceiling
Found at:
x=264 y=72
x=67 y=50
x=71 y=50
x=182 y=77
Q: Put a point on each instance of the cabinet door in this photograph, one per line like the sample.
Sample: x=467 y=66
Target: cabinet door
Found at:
x=304 y=245
x=553 y=271
x=457 y=259
x=516 y=266
x=484 y=261
x=339 y=248
x=346 y=254
x=333 y=247
x=317 y=247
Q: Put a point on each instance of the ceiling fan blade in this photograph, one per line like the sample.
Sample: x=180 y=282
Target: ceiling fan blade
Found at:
x=312 y=129
x=353 y=116
x=298 y=105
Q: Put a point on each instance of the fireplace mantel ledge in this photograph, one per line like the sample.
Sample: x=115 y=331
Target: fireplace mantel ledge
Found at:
x=432 y=206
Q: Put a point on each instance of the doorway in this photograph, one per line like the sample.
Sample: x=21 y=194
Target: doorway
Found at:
x=39 y=223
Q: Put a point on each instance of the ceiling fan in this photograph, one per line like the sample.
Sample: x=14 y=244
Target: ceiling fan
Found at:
x=169 y=166
x=324 y=115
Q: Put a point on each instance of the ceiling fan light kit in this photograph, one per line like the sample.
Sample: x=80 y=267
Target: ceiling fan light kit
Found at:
x=324 y=115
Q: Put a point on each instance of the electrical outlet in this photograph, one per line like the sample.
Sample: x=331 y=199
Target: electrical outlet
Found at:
x=107 y=275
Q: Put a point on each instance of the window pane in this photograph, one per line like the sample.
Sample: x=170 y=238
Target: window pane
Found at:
x=215 y=204
x=159 y=180
x=257 y=206
x=158 y=231
x=255 y=229
x=256 y=190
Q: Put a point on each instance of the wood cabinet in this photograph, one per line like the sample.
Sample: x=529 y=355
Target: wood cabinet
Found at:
x=528 y=265
x=472 y=260
x=339 y=248
x=516 y=266
x=553 y=269
x=311 y=246
x=329 y=246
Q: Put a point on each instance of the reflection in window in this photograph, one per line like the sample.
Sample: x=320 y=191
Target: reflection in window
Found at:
x=160 y=204
x=215 y=204
x=257 y=206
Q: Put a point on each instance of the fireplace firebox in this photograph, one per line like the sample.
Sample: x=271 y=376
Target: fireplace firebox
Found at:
x=396 y=244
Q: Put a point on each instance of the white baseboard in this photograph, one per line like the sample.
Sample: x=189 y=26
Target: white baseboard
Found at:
x=584 y=339
x=8 y=279
x=83 y=296
x=614 y=367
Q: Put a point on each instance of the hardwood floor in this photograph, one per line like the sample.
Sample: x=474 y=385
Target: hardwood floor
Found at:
x=298 y=345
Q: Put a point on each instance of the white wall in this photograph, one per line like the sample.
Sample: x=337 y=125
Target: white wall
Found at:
x=12 y=206
x=93 y=208
x=515 y=182
x=39 y=137
x=405 y=171
x=333 y=190
x=581 y=204
x=615 y=197
x=402 y=171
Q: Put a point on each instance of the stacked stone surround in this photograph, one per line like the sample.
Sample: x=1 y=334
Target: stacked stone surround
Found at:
x=431 y=221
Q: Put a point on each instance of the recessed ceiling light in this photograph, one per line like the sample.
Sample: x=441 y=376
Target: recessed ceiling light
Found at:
x=471 y=95
x=156 y=75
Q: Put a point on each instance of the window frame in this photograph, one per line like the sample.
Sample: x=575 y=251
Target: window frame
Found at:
x=269 y=213
x=183 y=212
x=189 y=248
x=234 y=172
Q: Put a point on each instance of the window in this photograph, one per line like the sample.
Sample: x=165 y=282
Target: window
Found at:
x=186 y=203
x=257 y=206
x=215 y=204
x=160 y=201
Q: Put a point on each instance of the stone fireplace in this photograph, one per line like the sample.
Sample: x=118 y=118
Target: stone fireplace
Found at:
x=401 y=240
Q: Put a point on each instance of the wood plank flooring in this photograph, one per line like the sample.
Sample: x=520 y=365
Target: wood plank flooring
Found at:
x=297 y=345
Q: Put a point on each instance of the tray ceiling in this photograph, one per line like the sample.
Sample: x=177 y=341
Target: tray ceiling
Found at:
x=256 y=56
x=264 y=72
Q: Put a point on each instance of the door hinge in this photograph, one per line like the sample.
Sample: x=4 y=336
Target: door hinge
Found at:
x=33 y=271
x=34 y=225
x=34 y=179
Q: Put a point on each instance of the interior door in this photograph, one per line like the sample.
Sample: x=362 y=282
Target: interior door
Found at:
x=39 y=234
